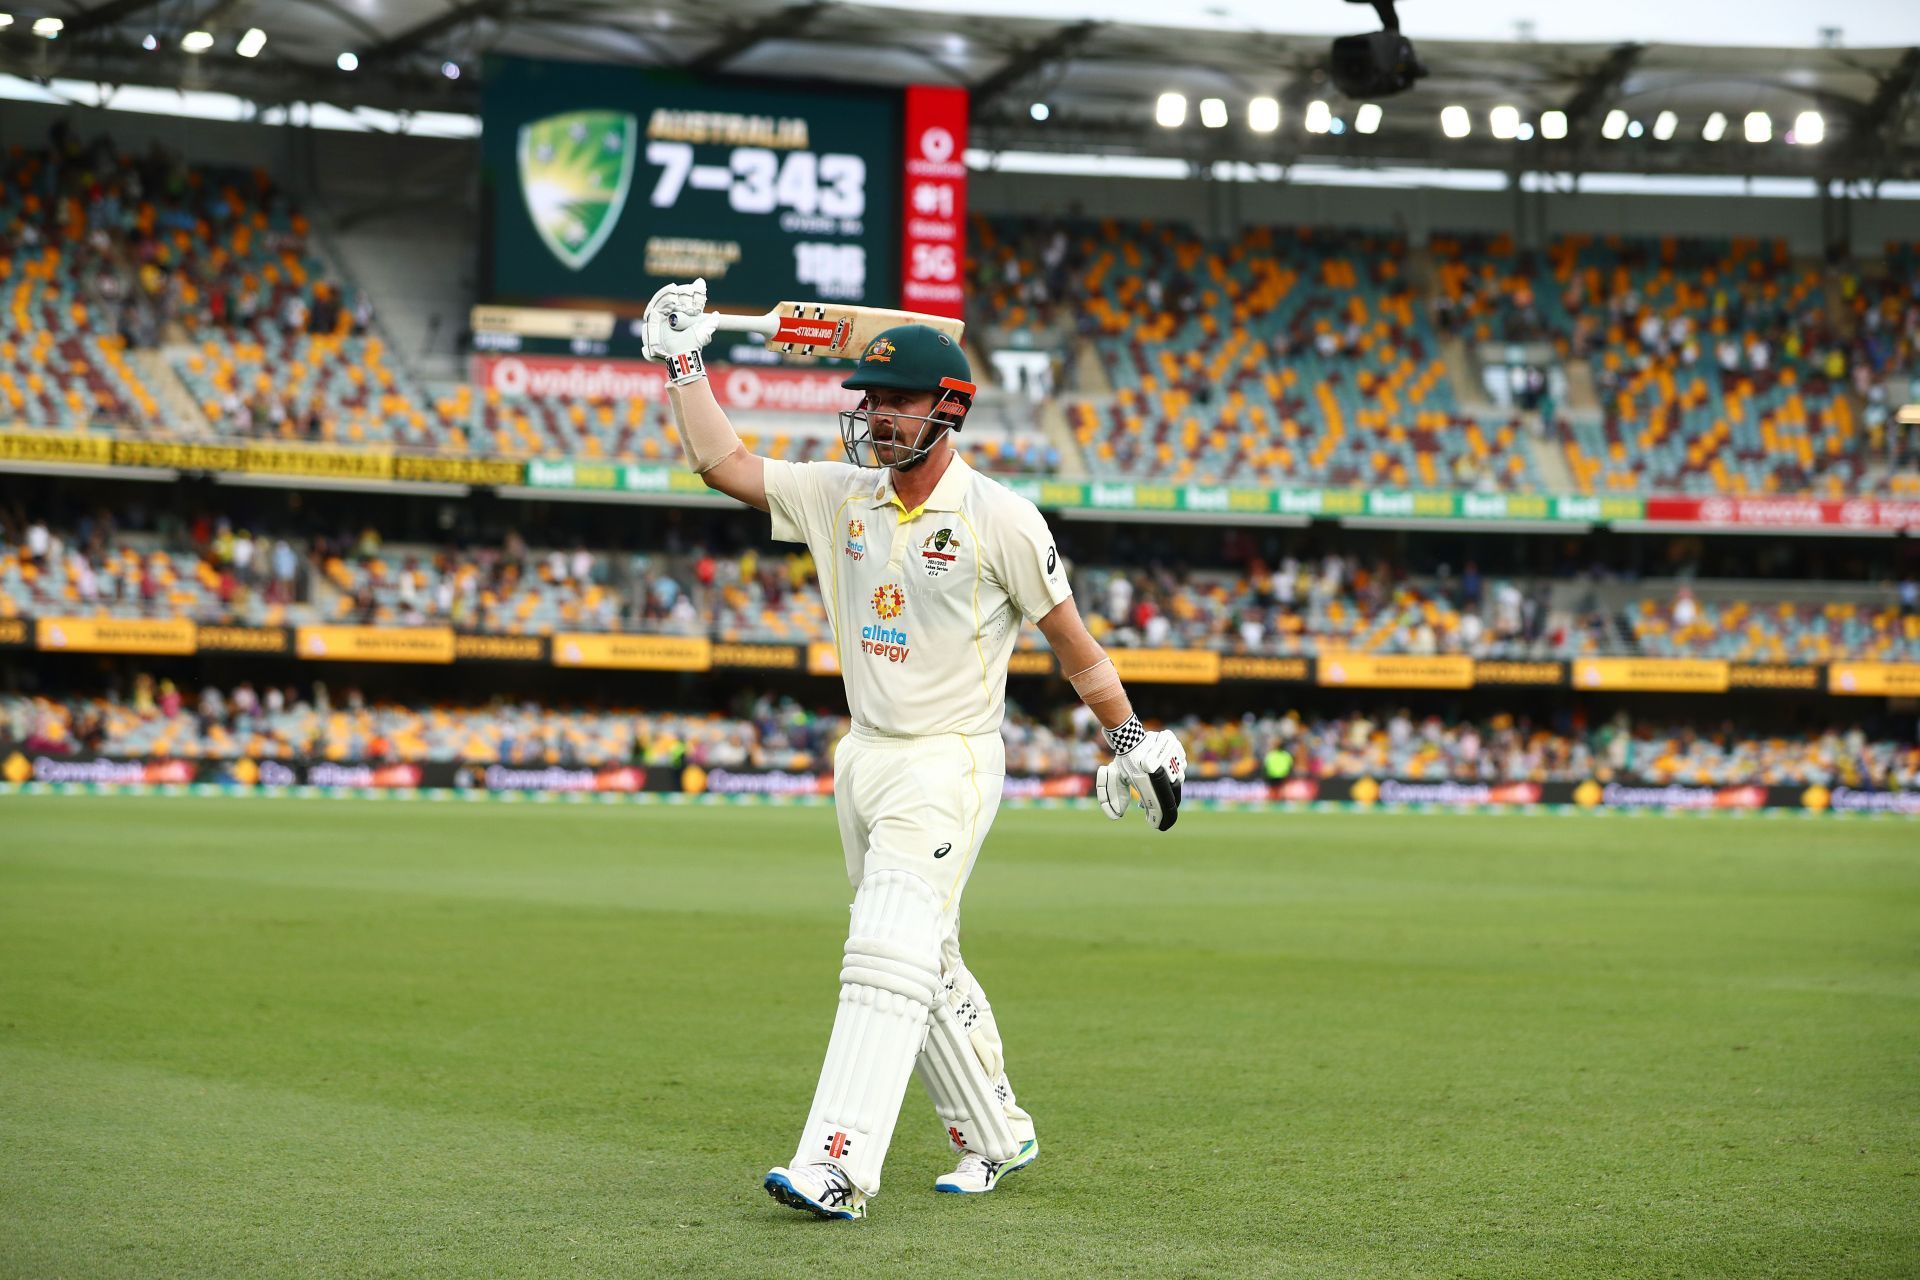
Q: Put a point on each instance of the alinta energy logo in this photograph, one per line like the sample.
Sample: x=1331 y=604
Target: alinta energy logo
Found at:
x=881 y=641
x=856 y=540
x=575 y=169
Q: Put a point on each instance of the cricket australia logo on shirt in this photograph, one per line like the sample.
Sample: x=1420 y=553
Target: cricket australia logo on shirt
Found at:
x=880 y=641
x=938 y=551
x=856 y=547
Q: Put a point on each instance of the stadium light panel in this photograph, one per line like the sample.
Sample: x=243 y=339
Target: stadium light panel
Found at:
x=1635 y=128
x=1171 y=111
x=1454 y=122
x=197 y=41
x=348 y=61
x=1505 y=122
x=148 y=42
x=1319 y=117
x=1263 y=115
x=1809 y=129
x=451 y=70
x=1614 y=127
x=1553 y=125
x=1367 y=119
x=1759 y=127
x=1213 y=113
x=49 y=28
x=1039 y=111
x=1664 y=124
x=251 y=43
x=1526 y=133
x=6 y=20
x=1716 y=127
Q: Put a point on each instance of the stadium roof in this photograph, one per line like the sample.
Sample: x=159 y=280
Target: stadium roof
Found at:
x=1099 y=78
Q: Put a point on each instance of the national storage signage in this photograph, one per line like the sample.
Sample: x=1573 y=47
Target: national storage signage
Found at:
x=629 y=651
x=115 y=635
x=813 y=392
x=375 y=644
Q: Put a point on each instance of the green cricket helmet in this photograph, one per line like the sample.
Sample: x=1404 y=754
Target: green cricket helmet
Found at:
x=907 y=357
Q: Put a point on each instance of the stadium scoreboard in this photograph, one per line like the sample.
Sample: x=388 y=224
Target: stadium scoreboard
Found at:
x=601 y=184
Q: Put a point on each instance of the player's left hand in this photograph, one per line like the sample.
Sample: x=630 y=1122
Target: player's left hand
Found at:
x=1152 y=772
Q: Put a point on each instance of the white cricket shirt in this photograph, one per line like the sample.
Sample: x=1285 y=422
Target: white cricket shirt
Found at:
x=925 y=604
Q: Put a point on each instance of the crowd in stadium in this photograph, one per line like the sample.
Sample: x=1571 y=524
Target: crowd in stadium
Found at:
x=155 y=718
x=1276 y=356
x=205 y=568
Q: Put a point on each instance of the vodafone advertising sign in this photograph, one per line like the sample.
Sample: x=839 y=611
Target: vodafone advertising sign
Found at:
x=767 y=387
x=1788 y=513
x=933 y=241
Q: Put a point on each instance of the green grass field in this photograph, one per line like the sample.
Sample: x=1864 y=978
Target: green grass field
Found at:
x=252 y=1038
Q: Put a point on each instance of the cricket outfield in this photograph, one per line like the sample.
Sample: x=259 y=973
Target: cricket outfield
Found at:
x=342 y=1038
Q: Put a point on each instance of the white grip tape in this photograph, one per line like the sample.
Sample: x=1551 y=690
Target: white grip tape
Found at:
x=890 y=976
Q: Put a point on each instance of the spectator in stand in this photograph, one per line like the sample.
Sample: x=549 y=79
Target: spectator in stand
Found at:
x=1685 y=611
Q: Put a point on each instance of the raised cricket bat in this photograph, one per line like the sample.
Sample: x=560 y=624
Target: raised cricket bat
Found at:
x=830 y=329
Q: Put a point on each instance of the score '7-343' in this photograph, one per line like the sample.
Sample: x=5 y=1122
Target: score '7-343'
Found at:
x=821 y=194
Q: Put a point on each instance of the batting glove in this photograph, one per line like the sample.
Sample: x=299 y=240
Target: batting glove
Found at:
x=1146 y=766
x=674 y=328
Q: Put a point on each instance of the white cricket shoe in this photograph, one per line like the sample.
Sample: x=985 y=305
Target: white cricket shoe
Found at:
x=977 y=1174
x=823 y=1190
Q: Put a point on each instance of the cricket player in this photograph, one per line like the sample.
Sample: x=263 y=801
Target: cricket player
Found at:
x=928 y=568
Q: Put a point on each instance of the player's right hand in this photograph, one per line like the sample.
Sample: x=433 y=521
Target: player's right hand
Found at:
x=1153 y=772
x=676 y=321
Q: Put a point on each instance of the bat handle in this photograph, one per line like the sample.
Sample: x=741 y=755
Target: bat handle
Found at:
x=768 y=324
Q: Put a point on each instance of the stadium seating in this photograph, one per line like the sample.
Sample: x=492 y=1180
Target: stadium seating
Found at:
x=1786 y=632
x=479 y=593
x=323 y=388
x=128 y=582
x=1281 y=356
x=1716 y=369
x=98 y=249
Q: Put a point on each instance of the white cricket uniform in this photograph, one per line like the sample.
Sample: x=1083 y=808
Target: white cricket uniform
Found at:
x=926 y=606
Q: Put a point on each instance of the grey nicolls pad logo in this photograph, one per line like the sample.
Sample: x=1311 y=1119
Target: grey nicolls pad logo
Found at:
x=575 y=169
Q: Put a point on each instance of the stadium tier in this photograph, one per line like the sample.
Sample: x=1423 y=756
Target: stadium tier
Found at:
x=161 y=721
x=1783 y=632
x=102 y=254
x=144 y=295
x=1283 y=356
x=211 y=571
x=1717 y=366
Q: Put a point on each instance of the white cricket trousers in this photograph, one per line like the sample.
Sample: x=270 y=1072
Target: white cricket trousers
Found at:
x=924 y=805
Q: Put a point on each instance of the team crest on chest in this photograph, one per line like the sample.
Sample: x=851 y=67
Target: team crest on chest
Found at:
x=938 y=552
x=856 y=547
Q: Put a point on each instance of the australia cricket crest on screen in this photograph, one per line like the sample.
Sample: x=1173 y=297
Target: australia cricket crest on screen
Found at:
x=575 y=169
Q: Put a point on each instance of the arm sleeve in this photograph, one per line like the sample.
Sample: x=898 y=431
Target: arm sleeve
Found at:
x=1028 y=564
x=797 y=495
